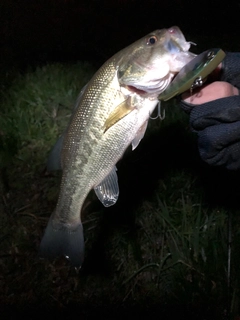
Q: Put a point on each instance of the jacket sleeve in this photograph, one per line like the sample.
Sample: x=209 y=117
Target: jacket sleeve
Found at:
x=217 y=124
x=231 y=69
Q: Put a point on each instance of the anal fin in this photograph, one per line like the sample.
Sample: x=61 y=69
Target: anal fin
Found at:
x=107 y=191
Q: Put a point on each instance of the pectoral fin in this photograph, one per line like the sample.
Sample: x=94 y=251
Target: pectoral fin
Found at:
x=139 y=135
x=119 y=112
x=107 y=191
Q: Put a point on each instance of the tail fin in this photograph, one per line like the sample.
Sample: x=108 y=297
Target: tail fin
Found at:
x=62 y=240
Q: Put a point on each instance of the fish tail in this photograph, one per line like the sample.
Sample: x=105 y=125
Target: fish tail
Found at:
x=63 y=240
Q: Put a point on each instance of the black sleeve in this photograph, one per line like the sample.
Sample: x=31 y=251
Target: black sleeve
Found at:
x=230 y=71
x=217 y=124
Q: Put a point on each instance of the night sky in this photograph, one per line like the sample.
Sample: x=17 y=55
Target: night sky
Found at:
x=36 y=32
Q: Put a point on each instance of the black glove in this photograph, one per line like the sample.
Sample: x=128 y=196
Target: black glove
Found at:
x=230 y=71
x=217 y=122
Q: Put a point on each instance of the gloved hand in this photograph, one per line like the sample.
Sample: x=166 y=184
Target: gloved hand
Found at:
x=215 y=115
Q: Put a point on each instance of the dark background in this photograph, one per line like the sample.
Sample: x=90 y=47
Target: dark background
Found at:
x=36 y=32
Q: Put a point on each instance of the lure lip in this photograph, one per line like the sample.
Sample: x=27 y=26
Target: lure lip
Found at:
x=196 y=70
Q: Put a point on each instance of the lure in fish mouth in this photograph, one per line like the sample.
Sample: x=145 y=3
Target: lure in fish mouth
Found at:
x=111 y=113
x=194 y=73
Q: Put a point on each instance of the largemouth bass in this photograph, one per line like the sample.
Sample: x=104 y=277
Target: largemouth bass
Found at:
x=111 y=113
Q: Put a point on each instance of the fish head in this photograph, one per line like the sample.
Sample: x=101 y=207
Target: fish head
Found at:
x=150 y=63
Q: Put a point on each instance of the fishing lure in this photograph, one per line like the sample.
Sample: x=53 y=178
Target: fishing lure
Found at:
x=194 y=73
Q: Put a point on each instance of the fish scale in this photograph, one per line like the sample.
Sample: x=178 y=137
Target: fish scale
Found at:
x=111 y=113
x=86 y=149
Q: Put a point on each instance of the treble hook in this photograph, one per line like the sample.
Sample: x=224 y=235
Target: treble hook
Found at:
x=198 y=82
x=160 y=115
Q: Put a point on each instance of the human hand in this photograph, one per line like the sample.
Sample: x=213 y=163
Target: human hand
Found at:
x=210 y=92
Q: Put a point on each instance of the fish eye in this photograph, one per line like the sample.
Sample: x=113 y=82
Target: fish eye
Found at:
x=151 y=40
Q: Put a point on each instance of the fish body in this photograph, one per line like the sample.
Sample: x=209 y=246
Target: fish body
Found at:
x=111 y=113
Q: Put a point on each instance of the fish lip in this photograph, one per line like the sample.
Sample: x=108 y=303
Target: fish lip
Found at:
x=160 y=86
x=177 y=36
x=136 y=90
x=175 y=30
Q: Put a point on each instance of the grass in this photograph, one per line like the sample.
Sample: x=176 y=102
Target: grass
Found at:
x=35 y=108
x=164 y=243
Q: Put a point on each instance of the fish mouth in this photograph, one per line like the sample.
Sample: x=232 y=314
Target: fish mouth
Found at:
x=136 y=90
